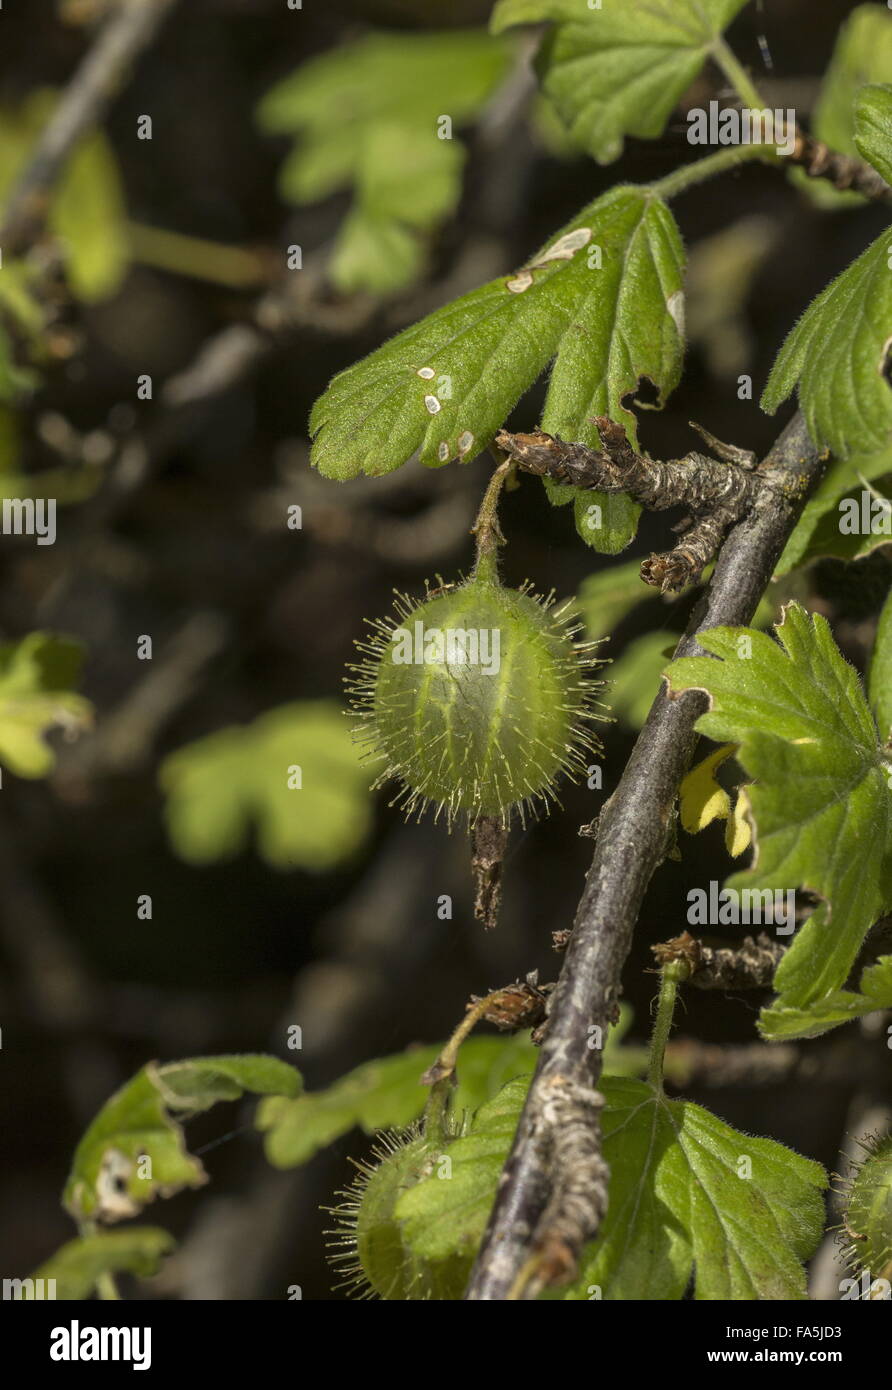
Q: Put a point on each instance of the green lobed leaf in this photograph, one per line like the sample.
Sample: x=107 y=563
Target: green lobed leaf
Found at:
x=862 y=55
x=837 y=355
x=782 y=1021
x=822 y=795
x=387 y=1093
x=879 y=681
x=621 y=69
x=873 y=127
x=220 y=786
x=77 y=1266
x=134 y=1150
x=818 y=531
x=677 y=1201
x=604 y=327
x=367 y=116
x=36 y=676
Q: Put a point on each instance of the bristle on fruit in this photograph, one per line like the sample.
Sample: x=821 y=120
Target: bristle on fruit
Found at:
x=477 y=700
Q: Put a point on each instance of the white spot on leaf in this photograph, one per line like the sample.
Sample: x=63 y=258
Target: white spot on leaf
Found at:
x=565 y=248
x=432 y=404
x=675 y=305
x=465 y=440
x=425 y=372
x=443 y=452
x=520 y=282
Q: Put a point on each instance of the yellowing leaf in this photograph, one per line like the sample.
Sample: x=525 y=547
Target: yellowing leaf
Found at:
x=701 y=798
x=738 y=831
x=89 y=217
x=87 y=208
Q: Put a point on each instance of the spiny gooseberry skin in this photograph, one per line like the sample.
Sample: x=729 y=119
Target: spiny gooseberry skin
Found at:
x=868 y=1215
x=375 y=1259
x=486 y=722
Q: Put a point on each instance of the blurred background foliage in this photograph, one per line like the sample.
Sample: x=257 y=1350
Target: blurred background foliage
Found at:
x=122 y=777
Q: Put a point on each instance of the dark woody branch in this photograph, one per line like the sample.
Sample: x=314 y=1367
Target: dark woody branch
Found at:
x=717 y=492
x=553 y=1191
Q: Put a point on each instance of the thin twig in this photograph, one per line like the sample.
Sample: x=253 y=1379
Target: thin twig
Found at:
x=127 y=32
x=717 y=492
x=540 y=1195
x=845 y=172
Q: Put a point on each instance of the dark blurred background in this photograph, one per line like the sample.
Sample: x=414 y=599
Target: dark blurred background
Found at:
x=246 y=615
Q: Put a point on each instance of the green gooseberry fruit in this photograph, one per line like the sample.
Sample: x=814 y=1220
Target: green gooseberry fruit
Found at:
x=868 y=1212
x=476 y=699
x=369 y=1248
